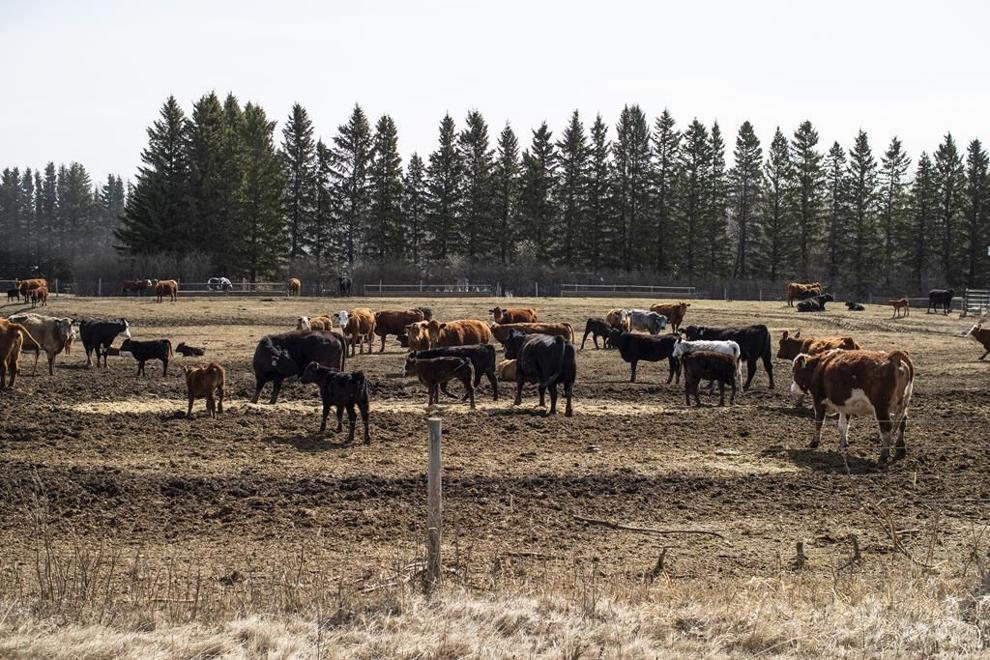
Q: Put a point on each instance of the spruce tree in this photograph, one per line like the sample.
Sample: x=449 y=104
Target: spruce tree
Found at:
x=414 y=209
x=950 y=182
x=779 y=237
x=537 y=209
x=385 y=238
x=47 y=222
x=745 y=181
x=573 y=191
x=264 y=241
x=808 y=186
x=227 y=228
x=977 y=214
x=350 y=158
x=76 y=210
x=715 y=236
x=445 y=184
x=914 y=236
x=837 y=203
x=666 y=146
x=28 y=221
x=320 y=235
x=476 y=157
x=862 y=236
x=694 y=163
x=298 y=154
x=893 y=203
x=633 y=159
x=600 y=199
x=204 y=135
x=506 y=192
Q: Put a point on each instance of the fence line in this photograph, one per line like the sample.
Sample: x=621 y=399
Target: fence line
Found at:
x=626 y=291
x=429 y=290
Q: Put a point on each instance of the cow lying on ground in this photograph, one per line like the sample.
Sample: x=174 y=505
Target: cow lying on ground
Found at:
x=206 y=382
x=816 y=304
x=13 y=337
x=754 y=344
x=855 y=307
x=618 y=318
x=674 y=312
x=504 y=316
x=358 y=327
x=434 y=372
x=940 y=297
x=647 y=321
x=278 y=357
x=142 y=351
x=792 y=346
x=650 y=348
x=798 y=291
x=482 y=357
x=684 y=347
x=596 y=328
x=982 y=335
x=502 y=332
x=189 y=351
x=710 y=366
x=99 y=335
x=858 y=383
x=458 y=333
x=394 y=322
x=50 y=333
x=902 y=307
x=322 y=323
x=546 y=361
x=342 y=390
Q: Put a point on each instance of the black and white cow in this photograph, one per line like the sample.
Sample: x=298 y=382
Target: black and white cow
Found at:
x=754 y=344
x=97 y=336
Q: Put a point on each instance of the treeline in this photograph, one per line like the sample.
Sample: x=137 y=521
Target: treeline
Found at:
x=49 y=218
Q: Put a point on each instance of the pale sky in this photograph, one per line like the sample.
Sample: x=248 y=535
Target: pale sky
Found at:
x=83 y=80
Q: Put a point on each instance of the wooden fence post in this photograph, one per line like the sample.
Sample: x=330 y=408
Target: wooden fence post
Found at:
x=99 y=286
x=434 y=504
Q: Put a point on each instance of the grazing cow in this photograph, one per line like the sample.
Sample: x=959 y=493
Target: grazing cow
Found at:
x=342 y=390
x=792 y=346
x=206 y=382
x=189 y=351
x=358 y=327
x=547 y=361
x=684 y=347
x=166 y=289
x=618 y=318
x=513 y=315
x=855 y=383
x=798 y=291
x=151 y=349
x=24 y=286
x=754 y=344
x=50 y=334
x=137 y=286
x=941 y=297
x=650 y=348
x=673 y=311
x=711 y=366
x=502 y=332
x=39 y=295
x=458 y=333
x=418 y=336
x=596 y=327
x=13 y=294
x=99 y=335
x=294 y=287
x=323 y=323
x=855 y=307
x=278 y=357
x=982 y=335
x=647 y=321
x=344 y=285
x=434 y=372
x=902 y=307
x=507 y=371
x=816 y=304
x=13 y=337
x=394 y=322
x=482 y=358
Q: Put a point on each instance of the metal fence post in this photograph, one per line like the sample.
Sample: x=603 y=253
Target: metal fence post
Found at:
x=99 y=286
x=434 y=504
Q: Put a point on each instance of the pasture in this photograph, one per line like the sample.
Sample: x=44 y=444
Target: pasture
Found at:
x=253 y=513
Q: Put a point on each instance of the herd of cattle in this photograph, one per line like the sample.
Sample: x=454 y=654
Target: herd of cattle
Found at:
x=836 y=372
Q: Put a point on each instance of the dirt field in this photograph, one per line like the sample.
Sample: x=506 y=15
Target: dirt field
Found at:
x=106 y=457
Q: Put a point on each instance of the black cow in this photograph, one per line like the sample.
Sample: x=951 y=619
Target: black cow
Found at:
x=546 y=361
x=596 y=327
x=142 y=351
x=344 y=286
x=97 y=335
x=816 y=304
x=278 y=357
x=754 y=344
x=13 y=294
x=634 y=347
x=855 y=307
x=189 y=351
x=482 y=357
x=341 y=390
x=941 y=297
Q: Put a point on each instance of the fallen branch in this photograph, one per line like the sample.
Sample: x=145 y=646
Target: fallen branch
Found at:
x=643 y=530
x=883 y=517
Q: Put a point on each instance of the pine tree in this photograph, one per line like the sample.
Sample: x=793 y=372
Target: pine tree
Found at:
x=837 y=202
x=385 y=238
x=320 y=235
x=477 y=159
x=893 y=203
x=666 y=145
x=977 y=214
x=112 y=201
x=633 y=160
x=227 y=229
x=694 y=164
x=745 y=182
x=445 y=183
x=950 y=182
x=28 y=220
x=350 y=157
x=264 y=243
x=204 y=140
x=414 y=209
x=506 y=192
x=600 y=201
x=298 y=154
x=573 y=191
x=47 y=222
x=10 y=205
x=537 y=209
x=808 y=184
x=863 y=209
x=75 y=206
x=913 y=236
x=778 y=236
x=715 y=233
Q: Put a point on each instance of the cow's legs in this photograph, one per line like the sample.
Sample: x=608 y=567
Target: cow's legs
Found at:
x=189 y=411
x=985 y=354
x=363 y=408
x=323 y=416
x=819 y=421
x=632 y=373
x=519 y=387
x=351 y=420
x=568 y=410
x=721 y=394
x=553 y=400
x=37 y=356
x=382 y=349
x=494 y=383
x=768 y=367
x=687 y=391
x=672 y=368
x=585 y=338
x=211 y=405
x=220 y=398
x=732 y=397
x=900 y=449
x=886 y=428
x=750 y=372
x=543 y=395
x=3 y=373
x=276 y=388
x=470 y=392
x=164 y=367
x=257 y=391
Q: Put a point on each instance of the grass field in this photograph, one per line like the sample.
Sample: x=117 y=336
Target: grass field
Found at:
x=128 y=530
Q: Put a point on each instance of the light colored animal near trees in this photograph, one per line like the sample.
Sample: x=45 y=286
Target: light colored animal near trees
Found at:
x=982 y=335
x=294 y=287
x=50 y=333
x=618 y=318
x=206 y=382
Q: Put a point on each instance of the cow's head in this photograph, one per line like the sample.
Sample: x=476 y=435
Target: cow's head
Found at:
x=614 y=335
x=975 y=331
x=311 y=374
x=789 y=347
x=513 y=343
x=694 y=332
x=803 y=371
x=410 y=368
x=342 y=317
x=433 y=329
x=303 y=323
x=496 y=313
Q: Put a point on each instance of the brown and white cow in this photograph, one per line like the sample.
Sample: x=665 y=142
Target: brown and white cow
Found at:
x=166 y=289
x=418 y=335
x=513 y=315
x=294 y=287
x=618 y=318
x=673 y=311
x=358 y=327
x=137 y=286
x=858 y=383
x=792 y=346
x=799 y=291
x=322 y=323
x=51 y=334
x=982 y=335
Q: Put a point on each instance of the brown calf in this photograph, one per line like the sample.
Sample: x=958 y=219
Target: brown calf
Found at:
x=39 y=295
x=360 y=328
x=458 y=333
x=394 y=322
x=27 y=285
x=673 y=311
x=798 y=291
x=711 y=366
x=902 y=307
x=13 y=337
x=418 y=336
x=166 y=289
x=792 y=346
x=206 y=382
x=435 y=372
x=565 y=330
x=513 y=315
x=507 y=371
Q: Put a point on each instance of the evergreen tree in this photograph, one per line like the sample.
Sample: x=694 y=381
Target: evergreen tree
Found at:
x=537 y=207
x=666 y=145
x=204 y=140
x=10 y=204
x=837 y=201
x=573 y=191
x=227 y=229
x=477 y=159
x=950 y=182
x=350 y=157
x=779 y=237
x=445 y=183
x=808 y=183
x=745 y=182
x=863 y=209
x=977 y=213
x=264 y=240
x=600 y=201
x=320 y=235
x=47 y=222
x=633 y=160
x=414 y=208
x=715 y=234
x=75 y=206
x=28 y=221
x=893 y=203
x=506 y=192
x=695 y=164
x=298 y=154
x=914 y=234
x=385 y=238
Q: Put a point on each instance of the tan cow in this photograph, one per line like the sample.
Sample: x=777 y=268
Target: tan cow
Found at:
x=513 y=315
x=419 y=336
x=13 y=337
x=798 y=291
x=458 y=333
x=358 y=327
x=25 y=286
x=323 y=323
x=294 y=287
x=51 y=335
x=206 y=382
x=166 y=288
x=673 y=311
x=792 y=346
x=565 y=330
x=618 y=318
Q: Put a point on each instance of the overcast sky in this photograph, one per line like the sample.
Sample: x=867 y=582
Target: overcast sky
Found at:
x=83 y=80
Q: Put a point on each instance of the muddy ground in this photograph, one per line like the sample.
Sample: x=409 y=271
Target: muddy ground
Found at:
x=100 y=456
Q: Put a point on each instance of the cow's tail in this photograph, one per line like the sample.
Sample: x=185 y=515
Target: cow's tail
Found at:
x=897 y=360
x=561 y=345
x=30 y=343
x=570 y=329
x=169 y=344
